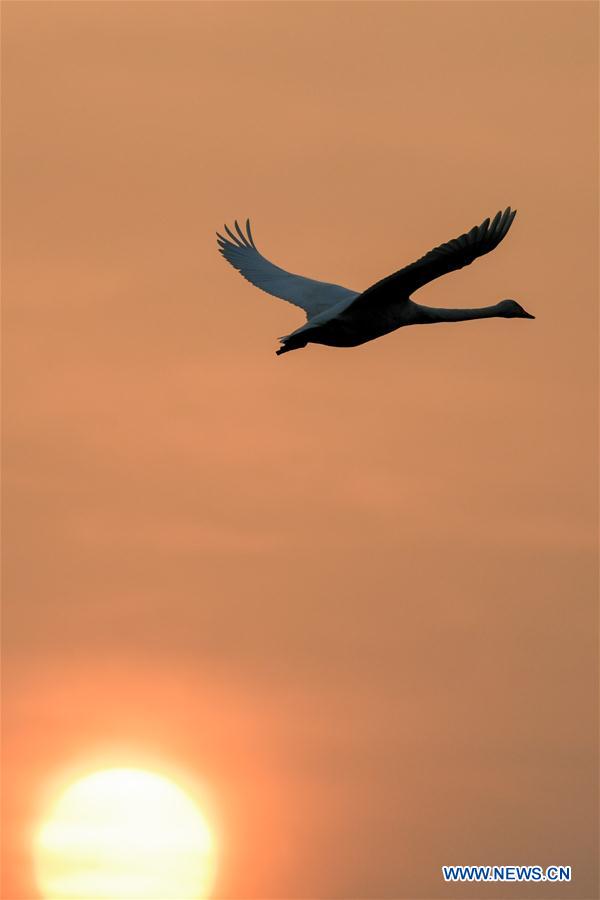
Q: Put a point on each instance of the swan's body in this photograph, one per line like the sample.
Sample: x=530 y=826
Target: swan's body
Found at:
x=339 y=317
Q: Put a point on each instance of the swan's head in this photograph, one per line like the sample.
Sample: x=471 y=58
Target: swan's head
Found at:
x=510 y=309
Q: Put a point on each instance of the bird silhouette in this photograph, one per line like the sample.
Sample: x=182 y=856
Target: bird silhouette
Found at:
x=339 y=317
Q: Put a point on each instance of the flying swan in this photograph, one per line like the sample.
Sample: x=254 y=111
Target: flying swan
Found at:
x=339 y=317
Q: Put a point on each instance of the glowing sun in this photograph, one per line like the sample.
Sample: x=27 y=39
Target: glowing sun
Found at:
x=124 y=834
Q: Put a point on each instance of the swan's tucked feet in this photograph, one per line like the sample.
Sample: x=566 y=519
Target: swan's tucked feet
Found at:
x=286 y=349
x=291 y=344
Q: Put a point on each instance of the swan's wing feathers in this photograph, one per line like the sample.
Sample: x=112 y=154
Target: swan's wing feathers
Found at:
x=448 y=257
x=312 y=296
x=457 y=253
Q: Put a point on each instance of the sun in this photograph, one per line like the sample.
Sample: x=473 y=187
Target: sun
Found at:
x=124 y=834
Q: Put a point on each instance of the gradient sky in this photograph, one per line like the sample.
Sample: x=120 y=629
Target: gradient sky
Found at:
x=349 y=594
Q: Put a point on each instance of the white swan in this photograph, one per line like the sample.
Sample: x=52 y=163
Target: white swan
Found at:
x=340 y=317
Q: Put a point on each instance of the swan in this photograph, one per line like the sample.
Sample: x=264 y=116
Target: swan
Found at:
x=339 y=317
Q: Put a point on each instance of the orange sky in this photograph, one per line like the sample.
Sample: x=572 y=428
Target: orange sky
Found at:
x=349 y=593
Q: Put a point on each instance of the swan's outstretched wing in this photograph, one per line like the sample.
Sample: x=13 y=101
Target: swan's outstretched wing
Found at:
x=313 y=297
x=446 y=258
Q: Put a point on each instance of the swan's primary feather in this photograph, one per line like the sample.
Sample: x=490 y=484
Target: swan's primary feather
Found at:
x=312 y=296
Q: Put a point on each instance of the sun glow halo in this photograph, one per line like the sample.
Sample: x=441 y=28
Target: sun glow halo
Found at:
x=124 y=834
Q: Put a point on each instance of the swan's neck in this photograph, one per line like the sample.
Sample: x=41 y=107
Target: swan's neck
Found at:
x=433 y=314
